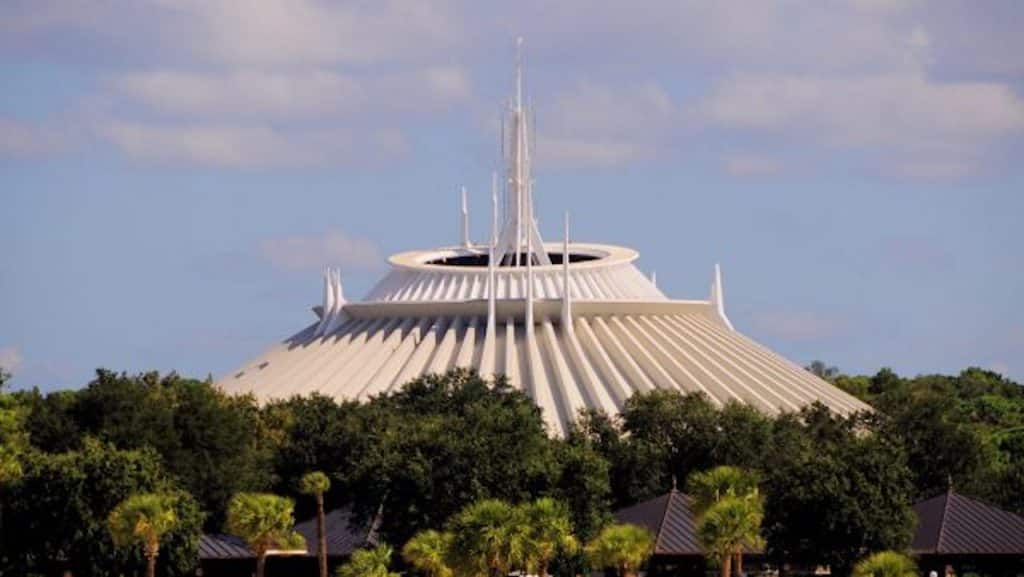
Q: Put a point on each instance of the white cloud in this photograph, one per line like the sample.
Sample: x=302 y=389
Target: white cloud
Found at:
x=582 y=152
x=293 y=94
x=751 y=165
x=246 y=93
x=336 y=248
x=10 y=359
x=248 y=146
x=937 y=128
x=288 y=32
x=599 y=125
x=30 y=139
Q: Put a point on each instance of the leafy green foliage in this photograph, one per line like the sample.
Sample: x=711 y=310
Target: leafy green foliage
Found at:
x=953 y=429
x=622 y=547
x=444 y=441
x=368 y=563
x=143 y=520
x=548 y=532
x=886 y=564
x=213 y=444
x=430 y=552
x=13 y=440
x=61 y=503
x=729 y=524
x=584 y=485
x=315 y=483
x=709 y=487
x=264 y=521
x=836 y=488
x=489 y=538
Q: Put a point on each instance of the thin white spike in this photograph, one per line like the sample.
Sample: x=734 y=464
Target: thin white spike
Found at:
x=492 y=280
x=494 y=208
x=566 y=293
x=520 y=227
x=718 y=296
x=465 y=219
x=654 y=278
x=529 y=285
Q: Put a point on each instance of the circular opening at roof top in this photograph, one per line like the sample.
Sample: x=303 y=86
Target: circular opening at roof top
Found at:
x=480 y=260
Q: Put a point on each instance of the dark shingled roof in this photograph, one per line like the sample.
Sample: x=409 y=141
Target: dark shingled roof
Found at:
x=223 y=547
x=342 y=538
x=951 y=524
x=670 y=517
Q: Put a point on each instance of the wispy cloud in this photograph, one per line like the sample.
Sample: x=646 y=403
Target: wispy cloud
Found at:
x=797 y=325
x=10 y=359
x=301 y=253
x=594 y=124
x=260 y=94
x=751 y=165
x=19 y=138
x=244 y=146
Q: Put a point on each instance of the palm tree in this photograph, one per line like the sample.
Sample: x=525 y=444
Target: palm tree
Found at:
x=548 y=531
x=316 y=484
x=886 y=564
x=429 y=551
x=708 y=487
x=143 y=520
x=489 y=538
x=368 y=563
x=729 y=525
x=265 y=522
x=624 y=547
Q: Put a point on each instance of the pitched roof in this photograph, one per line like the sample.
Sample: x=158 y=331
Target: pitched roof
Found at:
x=670 y=517
x=951 y=524
x=223 y=547
x=343 y=537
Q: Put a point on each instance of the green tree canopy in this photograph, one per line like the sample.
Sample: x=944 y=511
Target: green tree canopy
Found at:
x=489 y=537
x=430 y=553
x=548 y=532
x=624 y=548
x=835 y=487
x=444 y=441
x=368 y=563
x=730 y=524
x=265 y=522
x=143 y=520
x=709 y=487
x=61 y=504
x=886 y=564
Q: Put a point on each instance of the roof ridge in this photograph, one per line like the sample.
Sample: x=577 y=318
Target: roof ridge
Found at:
x=942 y=521
x=664 y=515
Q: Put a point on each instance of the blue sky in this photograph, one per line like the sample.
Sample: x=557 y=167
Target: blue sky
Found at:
x=174 y=174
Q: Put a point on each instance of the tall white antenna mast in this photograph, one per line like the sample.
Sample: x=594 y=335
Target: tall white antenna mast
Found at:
x=465 y=219
x=520 y=228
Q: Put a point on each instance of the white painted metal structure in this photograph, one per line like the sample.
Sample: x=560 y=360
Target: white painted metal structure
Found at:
x=578 y=332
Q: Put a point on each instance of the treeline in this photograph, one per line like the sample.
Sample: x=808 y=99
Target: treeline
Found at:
x=834 y=488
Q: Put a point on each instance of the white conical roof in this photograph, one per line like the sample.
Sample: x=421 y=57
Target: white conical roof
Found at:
x=587 y=333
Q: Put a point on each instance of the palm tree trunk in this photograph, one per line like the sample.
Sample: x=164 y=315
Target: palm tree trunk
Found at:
x=727 y=566
x=261 y=562
x=321 y=534
x=152 y=552
x=739 y=563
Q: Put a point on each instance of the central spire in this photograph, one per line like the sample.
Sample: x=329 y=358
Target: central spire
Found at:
x=519 y=240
